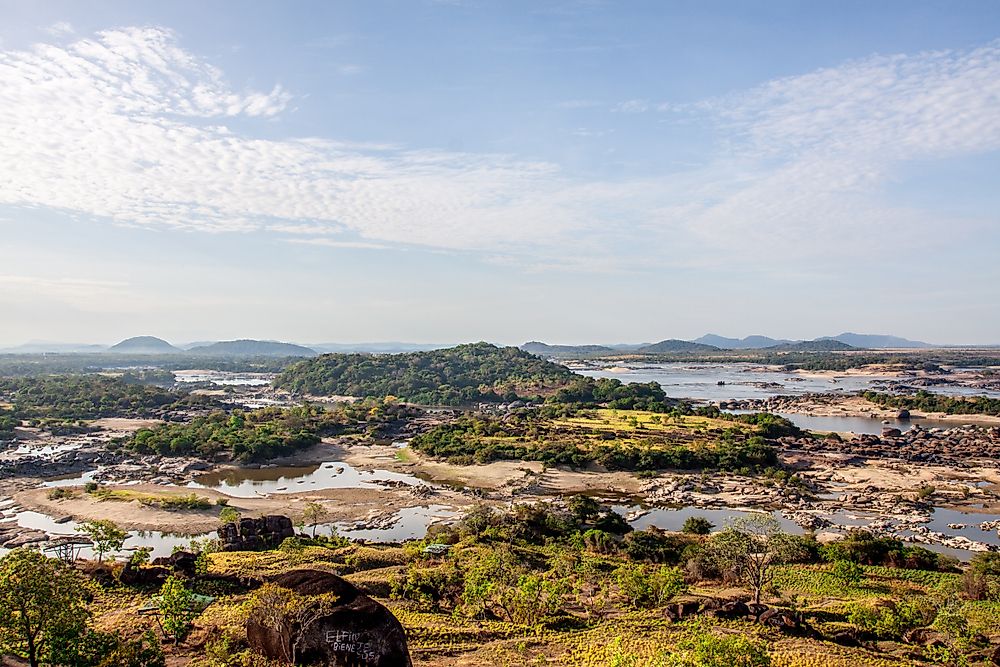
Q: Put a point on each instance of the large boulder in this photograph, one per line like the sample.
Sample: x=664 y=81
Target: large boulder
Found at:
x=267 y=532
x=331 y=624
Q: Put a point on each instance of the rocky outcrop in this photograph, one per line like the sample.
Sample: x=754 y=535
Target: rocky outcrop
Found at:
x=355 y=632
x=960 y=447
x=267 y=532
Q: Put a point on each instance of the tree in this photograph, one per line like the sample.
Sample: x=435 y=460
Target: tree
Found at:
x=229 y=515
x=106 y=536
x=697 y=525
x=644 y=586
x=750 y=548
x=314 y=514
x=42 y=606
x=177 y=608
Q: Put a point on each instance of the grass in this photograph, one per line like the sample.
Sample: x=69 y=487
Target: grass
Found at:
x=623 y=639
x=164 y=501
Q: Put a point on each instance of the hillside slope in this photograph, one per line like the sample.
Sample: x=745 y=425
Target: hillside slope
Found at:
x=253 y=348
x=453 y=376
x=144 y=345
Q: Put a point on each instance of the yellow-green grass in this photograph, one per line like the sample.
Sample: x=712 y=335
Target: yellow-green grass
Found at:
x=167 y=501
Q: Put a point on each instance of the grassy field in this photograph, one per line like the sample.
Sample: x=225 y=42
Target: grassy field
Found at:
x=622 y=638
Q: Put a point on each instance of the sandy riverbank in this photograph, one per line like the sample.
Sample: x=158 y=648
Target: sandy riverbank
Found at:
x=342 y=505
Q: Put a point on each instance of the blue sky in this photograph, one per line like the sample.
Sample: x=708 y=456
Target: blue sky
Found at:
x=447 y=171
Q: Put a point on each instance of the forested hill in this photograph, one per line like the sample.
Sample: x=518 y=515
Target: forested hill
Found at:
x=452 y=376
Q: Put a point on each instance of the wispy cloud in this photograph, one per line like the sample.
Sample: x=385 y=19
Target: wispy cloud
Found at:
x=333 y=243
x=130 y=127
x=60 y=29
x=632 y=106
x=809 y=154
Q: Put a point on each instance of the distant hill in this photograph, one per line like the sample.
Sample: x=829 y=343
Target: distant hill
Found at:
x=561 y=351
x=877 y=341
x=43 y=347
x=144 y=345
x=253 y=348
x=459 y=375
x=673 y=345
x=748 y=343
x=819 y=345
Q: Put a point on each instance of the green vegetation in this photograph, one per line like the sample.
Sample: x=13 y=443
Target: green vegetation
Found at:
x=455 y=376
x=626 y=440
x=562 y=584
x=73 y=397
x=163 y=501
x=864 y=548
x=704 y=648
x=177 y=608
x=106 y=536
x=266 y=433
x=8 y=422
x=697 y=525
x=928 y=402
x=595 y=392
x=245 y=436
x=42 y=607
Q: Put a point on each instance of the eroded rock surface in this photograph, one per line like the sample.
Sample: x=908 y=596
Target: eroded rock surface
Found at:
x=355 y=631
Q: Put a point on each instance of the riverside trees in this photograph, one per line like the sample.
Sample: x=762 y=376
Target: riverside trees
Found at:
x=43 y=608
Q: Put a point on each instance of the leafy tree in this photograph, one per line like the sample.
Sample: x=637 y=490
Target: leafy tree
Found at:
x=697 y=525
x=750 y=548
x=42 y=606
x=177 y=608
x=644 y=586
x=229 y=515
x=314 y=514
x=106 y=536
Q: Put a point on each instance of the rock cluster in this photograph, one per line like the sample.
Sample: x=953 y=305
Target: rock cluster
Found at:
x=957 y=447
x=247 y=534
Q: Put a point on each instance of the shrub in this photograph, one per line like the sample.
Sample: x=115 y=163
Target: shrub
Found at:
x=847 y=573
x=176 y=605
x=599 y=541
x=654 y=546
x=704 y=648
x=645 y=587
x=60 y=493
x=888 y=619
x=697 y=525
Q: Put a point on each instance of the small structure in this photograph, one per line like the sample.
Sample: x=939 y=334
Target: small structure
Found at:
x=67 y=549
x=199 y=603
x=437 y=549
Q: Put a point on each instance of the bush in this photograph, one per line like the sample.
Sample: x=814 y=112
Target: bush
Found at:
x=644 y=587
x=654 y=546
x=697 y=525
x=599 y=541
x=703 y=648
x=60 y=493
x=847 y=573
x=888 y=619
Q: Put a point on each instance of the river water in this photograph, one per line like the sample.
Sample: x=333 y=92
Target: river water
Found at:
x=251 y=483
x=700 y=381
